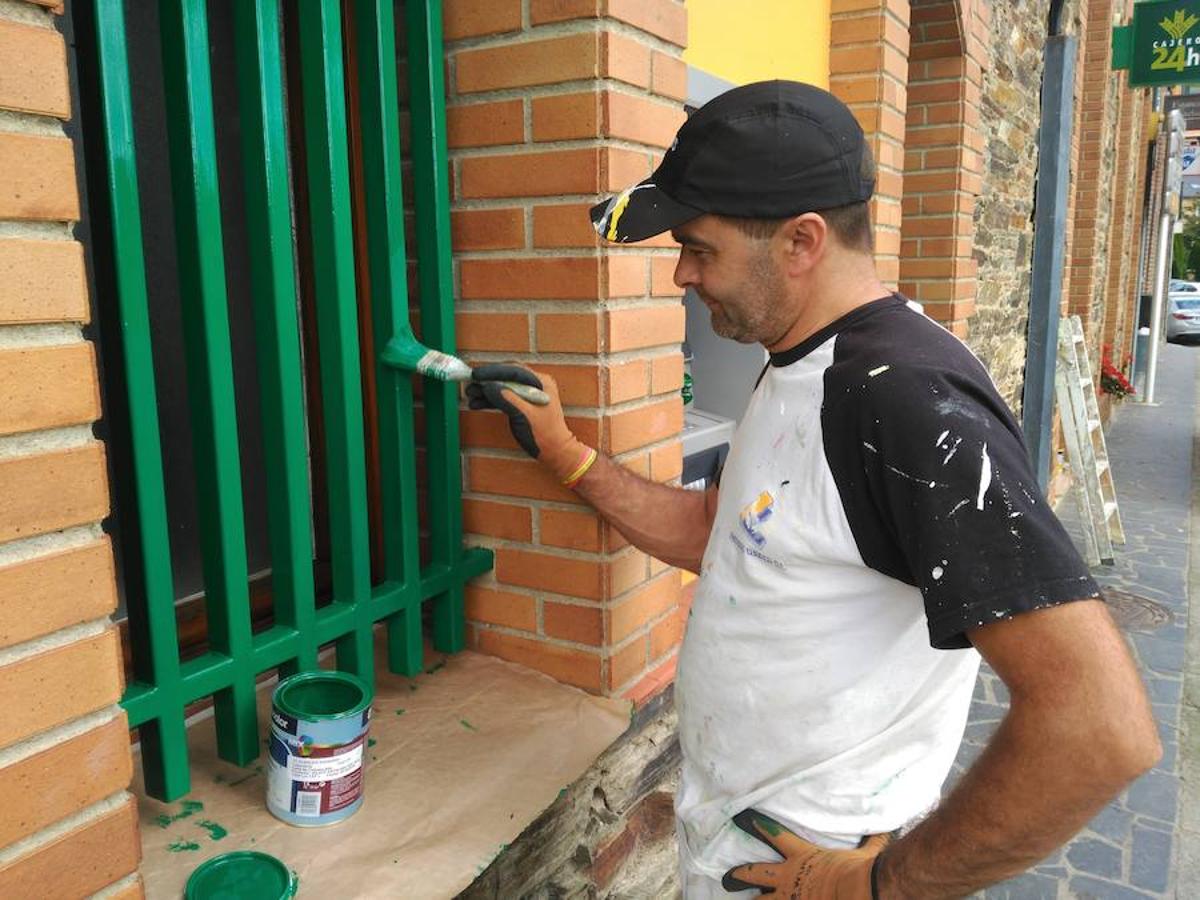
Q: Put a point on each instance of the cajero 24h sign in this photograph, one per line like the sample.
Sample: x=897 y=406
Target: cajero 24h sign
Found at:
x=1166 y=43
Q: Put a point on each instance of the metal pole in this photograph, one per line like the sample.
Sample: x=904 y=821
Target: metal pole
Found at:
x=1161 y=271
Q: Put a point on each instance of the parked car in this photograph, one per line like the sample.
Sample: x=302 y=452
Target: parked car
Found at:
x=1183 y=318
x=1179 y=286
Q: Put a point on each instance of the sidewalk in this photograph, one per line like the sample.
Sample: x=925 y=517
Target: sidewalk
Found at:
x=1130 y=850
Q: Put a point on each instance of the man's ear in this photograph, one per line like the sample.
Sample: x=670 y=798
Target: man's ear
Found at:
x=805 y=240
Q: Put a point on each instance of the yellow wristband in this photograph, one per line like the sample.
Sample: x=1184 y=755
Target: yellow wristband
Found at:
x=589 y=457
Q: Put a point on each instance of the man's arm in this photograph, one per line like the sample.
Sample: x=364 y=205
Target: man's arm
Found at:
x=669 y=523
x=1078 y=730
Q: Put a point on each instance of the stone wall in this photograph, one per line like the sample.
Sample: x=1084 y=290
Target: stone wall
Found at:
x=1004 y=211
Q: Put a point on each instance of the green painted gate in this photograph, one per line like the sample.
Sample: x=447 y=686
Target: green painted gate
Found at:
x=162 y=685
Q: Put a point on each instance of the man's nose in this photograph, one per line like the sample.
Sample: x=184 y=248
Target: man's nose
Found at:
x=685 y=271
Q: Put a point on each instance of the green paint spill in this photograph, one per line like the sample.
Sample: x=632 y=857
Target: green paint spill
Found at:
x=219 y=778
x=467 y=725
x=770 y=826
x=412 y=687
x=399 y=712
x=732 y=600
x=244 y=778
x=215 y=831
x=187 y=808
x=371 y=742
x=177 y=846
x=561 y=794
x=440 y=664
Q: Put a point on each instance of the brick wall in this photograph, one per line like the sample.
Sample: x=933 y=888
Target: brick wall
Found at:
x=552 y=105
x=868 y=71
x=69 y=826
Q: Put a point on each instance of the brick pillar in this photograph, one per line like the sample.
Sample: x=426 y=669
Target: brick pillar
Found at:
x=69 y=827
x=943 y=162
x=551 y=107
x=868 y=70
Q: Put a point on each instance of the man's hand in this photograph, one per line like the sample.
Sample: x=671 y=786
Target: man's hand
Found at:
x=541 y=431
x=806 y=872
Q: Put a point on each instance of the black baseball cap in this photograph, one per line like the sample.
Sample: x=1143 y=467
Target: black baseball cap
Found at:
x=766 y=150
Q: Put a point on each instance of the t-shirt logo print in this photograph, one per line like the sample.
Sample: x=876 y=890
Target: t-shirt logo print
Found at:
x=754 y=514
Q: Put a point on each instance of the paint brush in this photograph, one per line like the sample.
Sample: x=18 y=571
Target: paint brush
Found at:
x=406 y=353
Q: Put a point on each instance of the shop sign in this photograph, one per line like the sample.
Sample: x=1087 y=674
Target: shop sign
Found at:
x=1165 y=39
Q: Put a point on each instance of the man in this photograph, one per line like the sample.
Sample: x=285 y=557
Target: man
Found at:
x=876 y=530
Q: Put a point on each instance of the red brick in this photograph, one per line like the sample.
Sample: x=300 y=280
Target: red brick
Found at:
x=625 y=275
x=502 y=520
x=492 y=331
x=662 y=277
x=667 y=635
x=666 y=373
x=511 y=477
x=34 y=63
x=485 y=124
x=565 y=664
x=627 y=381
x=570 y=57
x=470 y=18
x=568 y=332
x=542 y=12
x=504 y=608
x=651 y=326
x=641 y=120
x=669 y=76
x=666 y=19
x=627 y=663
x=37 y=178
x=645 y=425
x=46 y=593
x=487 y=229
x=577 y=385
x=625 y=59
x=541 y=278
x=666 y=462
x=620 y=168
x=652 y=684
x=86 y=859
x=546 y=174
x=644 y=605
x=44 y=690
x=42 y=281
x=570 y=530
x=562 y=117
x=578 y=624
x=563 y=225
x=626 y=572
x=548 y=572
x=51 y=491
x=48 y=387
x=63 y=779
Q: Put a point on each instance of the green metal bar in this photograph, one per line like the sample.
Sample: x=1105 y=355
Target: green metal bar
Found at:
x=277 y=331
x=193 y=155
x=432 y=197
x=152 y=608
x=333 y=266
x=379 y=103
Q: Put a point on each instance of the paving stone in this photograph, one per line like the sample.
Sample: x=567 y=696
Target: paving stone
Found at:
x=1151 y=859
x=1094 y=889
x=1113 y=823
x=1095 y=858
x=1160 y=655
x=1154 y=794
x=1162 y=690
x=1029 y=886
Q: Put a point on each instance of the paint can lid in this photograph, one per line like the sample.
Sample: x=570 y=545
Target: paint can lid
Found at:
x=241 y=875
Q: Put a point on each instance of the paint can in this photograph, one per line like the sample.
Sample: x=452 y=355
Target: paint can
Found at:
x=241 y=875
x=319 y=724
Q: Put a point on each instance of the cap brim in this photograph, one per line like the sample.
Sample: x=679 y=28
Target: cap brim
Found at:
x=639 y=212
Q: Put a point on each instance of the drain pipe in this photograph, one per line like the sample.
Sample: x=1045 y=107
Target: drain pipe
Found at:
x=1049 y=244
x=1173 y=131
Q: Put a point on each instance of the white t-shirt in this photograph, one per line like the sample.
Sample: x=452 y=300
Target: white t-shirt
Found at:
x=877 y=503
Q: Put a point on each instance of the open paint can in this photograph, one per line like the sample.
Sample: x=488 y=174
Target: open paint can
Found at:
x=241 y=875
x=319 y=723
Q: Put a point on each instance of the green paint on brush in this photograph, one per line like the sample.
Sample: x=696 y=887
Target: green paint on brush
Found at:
x=178 y=846
x=467 y=725
x=215 y=831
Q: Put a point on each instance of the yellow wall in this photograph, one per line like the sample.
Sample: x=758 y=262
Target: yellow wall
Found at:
x=755 y=40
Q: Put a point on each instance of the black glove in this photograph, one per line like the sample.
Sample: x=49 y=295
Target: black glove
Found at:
x=486 y=391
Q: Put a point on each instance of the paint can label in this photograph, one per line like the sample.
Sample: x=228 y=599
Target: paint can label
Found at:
x=315 y=781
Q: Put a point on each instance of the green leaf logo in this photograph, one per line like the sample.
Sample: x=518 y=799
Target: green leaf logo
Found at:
x=1180 y=25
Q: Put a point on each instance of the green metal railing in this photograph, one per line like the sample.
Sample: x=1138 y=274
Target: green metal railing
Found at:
x=163 y=686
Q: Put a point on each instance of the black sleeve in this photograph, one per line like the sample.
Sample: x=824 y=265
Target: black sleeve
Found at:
x=939 y=493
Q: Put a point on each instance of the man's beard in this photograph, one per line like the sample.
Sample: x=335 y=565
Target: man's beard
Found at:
x=760 y=297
